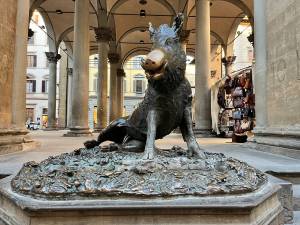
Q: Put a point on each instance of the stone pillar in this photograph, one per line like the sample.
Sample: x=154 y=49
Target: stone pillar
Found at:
x=120 y=96
x=260 y=85
x=103 y=36
x=63 y=91
x=13 y=42
x=80 y=85
x=114 y=59
x=69 y=101
x=20 y=66
x=184 y=38
x=202 y=59
x=52 y=57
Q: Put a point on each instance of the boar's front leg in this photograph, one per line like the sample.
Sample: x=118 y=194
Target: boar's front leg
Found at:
x=186 y=128
x=152 y=118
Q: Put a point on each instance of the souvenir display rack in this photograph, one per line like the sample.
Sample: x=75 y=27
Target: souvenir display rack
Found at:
x=237 y=100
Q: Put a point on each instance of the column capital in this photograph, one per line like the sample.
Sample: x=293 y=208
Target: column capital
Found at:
x=113 y=57
x=103 y=34
x=228 y=61
x=251 y=38
x=52 y=57
x=30 y=33
x=70 y=71
x=184 y=36
x=121 y=72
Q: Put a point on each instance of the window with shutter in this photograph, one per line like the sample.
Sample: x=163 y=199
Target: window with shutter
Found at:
x=43 y=86
x=134 y=86
x=144 y=87
x=31 y=60
x=139 y=86
x=31 y=86
x=34 y=86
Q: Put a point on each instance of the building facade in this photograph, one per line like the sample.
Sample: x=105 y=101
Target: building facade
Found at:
x=37 y=72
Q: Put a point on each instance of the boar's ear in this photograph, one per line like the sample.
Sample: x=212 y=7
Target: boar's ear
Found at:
x=178 y=23
x=151 y=30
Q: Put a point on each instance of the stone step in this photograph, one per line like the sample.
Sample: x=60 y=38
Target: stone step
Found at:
x=285 y=195
x=296 y=197
x=296 y=218
x=291 y=176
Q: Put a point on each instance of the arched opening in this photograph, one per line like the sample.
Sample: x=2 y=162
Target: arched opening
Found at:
x=93 y=89
x=242 y=47
x=134 y=84
x=190 y=70
x=37 y=72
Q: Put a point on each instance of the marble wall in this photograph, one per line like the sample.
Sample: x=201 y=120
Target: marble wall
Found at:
x=8 y=12
x=283 y=61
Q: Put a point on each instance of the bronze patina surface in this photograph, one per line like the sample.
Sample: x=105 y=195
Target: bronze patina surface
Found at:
x=96 y=172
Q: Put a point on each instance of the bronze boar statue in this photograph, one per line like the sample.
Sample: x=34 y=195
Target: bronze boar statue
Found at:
x=167 y=102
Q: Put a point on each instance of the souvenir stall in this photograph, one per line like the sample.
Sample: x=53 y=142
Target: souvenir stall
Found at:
x=235 y=100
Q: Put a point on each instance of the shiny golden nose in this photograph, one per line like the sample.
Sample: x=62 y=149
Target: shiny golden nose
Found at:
x=154 y=60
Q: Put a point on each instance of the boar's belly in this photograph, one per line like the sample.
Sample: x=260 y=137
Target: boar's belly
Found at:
x=169 y=118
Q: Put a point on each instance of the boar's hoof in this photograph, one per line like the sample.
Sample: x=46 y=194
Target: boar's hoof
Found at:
x=91 y=144
x=148 y=154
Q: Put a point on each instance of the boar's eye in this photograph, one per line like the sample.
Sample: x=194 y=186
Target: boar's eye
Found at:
x=169 y=41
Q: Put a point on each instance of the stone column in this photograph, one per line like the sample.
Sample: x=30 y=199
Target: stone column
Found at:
x=80 y=85
x=114 y=58
x=184 y=38
x=52 y=57
x=202 y=59
x=260 y=79
x=63 y=79
x=103 y=36
x=13 y=63
x=20 y=66
x=69 y=101
x=120 y=96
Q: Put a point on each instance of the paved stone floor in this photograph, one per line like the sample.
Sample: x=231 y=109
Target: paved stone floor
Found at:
x=52 y=143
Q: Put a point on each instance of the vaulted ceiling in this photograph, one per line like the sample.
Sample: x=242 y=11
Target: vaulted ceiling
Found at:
x=130 y=29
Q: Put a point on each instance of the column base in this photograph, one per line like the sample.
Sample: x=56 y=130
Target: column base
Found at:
x=97 y=130
x=50 y=129
x=15 y=140
x=202 y=132
x=281 y=141
x=78 y=132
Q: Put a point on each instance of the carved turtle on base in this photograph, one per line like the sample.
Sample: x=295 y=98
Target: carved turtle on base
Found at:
x=167 y=102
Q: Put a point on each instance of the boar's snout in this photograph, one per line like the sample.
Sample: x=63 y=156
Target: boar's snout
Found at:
x=154 y=64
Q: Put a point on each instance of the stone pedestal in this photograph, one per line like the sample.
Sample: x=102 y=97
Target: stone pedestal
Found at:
x=258 y=208
x=282 y=141
x=14 y=140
